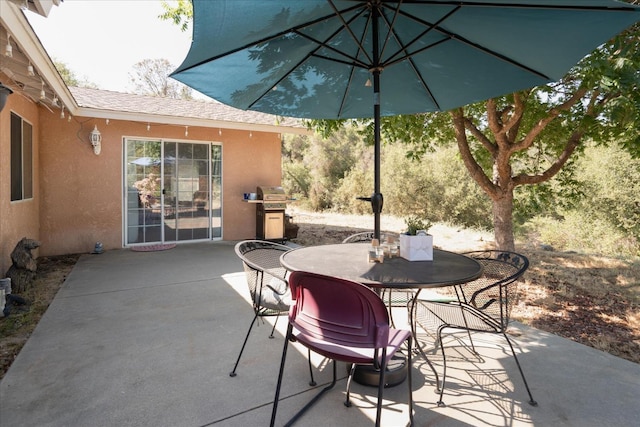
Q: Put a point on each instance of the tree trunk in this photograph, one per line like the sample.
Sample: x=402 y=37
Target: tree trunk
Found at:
x=503 y=221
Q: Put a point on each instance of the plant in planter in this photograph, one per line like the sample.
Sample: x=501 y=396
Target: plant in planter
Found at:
x=415 y=224
x=416 y=244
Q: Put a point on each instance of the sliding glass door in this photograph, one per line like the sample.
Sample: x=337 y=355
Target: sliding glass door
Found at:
x=173 y=191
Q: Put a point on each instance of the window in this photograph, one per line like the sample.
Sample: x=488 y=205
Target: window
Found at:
x=21 y=159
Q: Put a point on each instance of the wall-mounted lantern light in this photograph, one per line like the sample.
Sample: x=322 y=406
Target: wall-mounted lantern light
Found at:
x=95 y=139
x=4 y=94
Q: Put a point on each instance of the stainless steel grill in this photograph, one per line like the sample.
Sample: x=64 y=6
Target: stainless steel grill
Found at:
x=270 y=213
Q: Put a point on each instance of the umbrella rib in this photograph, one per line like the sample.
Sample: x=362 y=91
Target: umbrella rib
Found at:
x=430 y=27
x=391 y=26
x=284 y=76
x=354 y=60
x=251 y=44
x=344 y=97
x=348 y=28
x=453 y=36
x=408 y=56
x=313 y=53
x=514 y=5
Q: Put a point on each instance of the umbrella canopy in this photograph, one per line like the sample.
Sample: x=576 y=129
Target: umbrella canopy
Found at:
x=331 y=59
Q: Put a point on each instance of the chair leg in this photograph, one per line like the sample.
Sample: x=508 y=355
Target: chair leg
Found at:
x=532 y=402
x=246 y=338
x=409 y=382
x=274 y=326
x=383 y=368
x=390 y=305
x=314 y=399
x=347 y=402
x=284 y=356
x=414 y=334
x=444 y=367
x=312 y=382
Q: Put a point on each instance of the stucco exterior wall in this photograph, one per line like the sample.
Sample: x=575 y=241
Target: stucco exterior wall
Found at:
x=21 y=218
x=248 y=162
x=82 y=192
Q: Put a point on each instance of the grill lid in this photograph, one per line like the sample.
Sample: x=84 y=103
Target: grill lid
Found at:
x=273 y=194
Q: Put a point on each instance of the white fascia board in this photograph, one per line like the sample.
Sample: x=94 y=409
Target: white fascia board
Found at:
x=16 y=23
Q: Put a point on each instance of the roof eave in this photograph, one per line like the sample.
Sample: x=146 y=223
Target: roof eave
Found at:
x=187 y=121
x=16 y=23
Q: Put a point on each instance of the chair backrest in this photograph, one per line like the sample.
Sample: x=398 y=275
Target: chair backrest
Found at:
x=495 y=292
x=261 y=261
x=367 y=236
x=338 y=311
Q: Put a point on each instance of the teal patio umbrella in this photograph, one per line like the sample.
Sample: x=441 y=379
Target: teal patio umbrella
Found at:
x=334 y=59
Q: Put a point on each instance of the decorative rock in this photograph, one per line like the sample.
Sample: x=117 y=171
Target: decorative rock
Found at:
x=23 y=271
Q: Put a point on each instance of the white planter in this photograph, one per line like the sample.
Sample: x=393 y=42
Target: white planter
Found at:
x=416 y=248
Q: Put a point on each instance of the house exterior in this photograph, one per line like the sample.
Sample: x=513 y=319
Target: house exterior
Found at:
x=165 y=171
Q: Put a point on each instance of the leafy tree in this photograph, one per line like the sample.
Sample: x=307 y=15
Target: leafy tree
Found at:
x=605 y=218
x=526 y=138
x=70 y=78
x=612 y=188
x=295 y=174
x=151 y=77
x=181 y=14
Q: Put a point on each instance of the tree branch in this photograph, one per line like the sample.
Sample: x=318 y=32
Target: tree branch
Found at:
x=512 y=126
x=475 y=170
x=530 y=137
x=478 y=134
x=572 y=144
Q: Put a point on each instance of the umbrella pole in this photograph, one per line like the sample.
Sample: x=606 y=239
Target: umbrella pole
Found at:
x=376 y=197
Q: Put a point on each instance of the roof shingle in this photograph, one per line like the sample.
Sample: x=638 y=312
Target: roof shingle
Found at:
x=153 y=105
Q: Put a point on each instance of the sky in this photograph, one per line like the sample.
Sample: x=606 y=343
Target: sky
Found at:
x=101 y=40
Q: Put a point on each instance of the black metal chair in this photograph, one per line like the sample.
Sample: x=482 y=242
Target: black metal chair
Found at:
x=267 y=281
x=363 y=237
x=484 y=305
x=268 y=286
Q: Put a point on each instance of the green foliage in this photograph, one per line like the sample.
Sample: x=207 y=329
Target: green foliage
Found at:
x=181 y=14
x=70 y=78
x=434 y=185
x=316 y=167
x=415 y=223
x=605 y=217
x=357 y=183
x=612 y=188
x=579 y=233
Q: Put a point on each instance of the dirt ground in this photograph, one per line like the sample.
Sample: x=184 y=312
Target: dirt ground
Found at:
x=16 y=328
x=590 y=299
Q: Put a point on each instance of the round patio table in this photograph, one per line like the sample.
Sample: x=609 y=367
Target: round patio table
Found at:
x=350 y=261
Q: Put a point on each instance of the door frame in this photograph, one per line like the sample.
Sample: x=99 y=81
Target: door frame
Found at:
x=211 y=218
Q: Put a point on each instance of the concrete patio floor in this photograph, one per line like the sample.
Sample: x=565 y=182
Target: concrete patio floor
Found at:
x=149 y=338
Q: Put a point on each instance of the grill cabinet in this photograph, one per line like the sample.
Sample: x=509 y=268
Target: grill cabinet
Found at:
x=272 y=202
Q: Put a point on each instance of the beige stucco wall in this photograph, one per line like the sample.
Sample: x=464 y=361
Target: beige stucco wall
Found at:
x=82 y=192
x=17 y=219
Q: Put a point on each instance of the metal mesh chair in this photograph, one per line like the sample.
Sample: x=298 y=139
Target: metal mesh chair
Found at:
x=267 y=281
x=484 y=304
x=343 y=321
